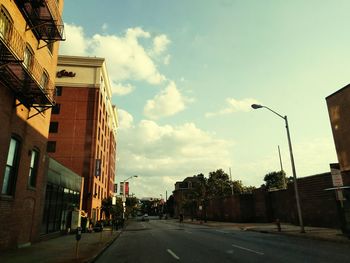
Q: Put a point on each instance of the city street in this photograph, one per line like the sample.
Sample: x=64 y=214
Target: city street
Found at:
x=169 y=241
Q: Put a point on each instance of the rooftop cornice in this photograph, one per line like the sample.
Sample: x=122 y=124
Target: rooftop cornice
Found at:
x=80 y=61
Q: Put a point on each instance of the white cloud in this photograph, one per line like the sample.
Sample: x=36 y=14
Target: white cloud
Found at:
x=127 y=57
x=162 y=155
x=121 y=90
x=125 y=119
x=76 y=43
x=104 y=27
x=168 y=102
x=166 y=60
x=160 y=44
x=233 y=105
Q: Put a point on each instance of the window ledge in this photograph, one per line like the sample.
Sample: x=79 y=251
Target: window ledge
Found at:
x=6 y=197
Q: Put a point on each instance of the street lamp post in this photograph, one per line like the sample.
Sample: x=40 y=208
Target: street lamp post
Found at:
x=257 y=106
x=124 y=197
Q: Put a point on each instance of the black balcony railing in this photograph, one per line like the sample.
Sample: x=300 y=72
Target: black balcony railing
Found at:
x=11 y=43
x=44 y=18
x=23 y=80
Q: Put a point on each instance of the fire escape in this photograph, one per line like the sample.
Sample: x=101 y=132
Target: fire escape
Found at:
x=19 y=69
x=43 y=18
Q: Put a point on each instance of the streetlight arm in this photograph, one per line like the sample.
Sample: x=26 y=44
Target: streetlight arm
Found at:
x=129 y=178
x=283 y=117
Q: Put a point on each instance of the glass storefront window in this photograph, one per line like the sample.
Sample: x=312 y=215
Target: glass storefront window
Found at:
x=59 y=203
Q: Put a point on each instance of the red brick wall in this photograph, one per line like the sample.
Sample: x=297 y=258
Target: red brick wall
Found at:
x=319 y=207
x=339 y=114
x=21 y=214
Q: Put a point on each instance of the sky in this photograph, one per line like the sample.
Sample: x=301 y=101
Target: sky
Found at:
x=184 y=74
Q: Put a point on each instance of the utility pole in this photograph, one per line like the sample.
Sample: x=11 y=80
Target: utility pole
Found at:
x=279 y=154
x=231 y=182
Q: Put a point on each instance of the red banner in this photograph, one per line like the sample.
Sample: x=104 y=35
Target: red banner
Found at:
x=126 y=188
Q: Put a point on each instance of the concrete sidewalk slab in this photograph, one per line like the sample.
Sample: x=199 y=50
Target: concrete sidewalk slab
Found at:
x=328 y=234
x=62 y=249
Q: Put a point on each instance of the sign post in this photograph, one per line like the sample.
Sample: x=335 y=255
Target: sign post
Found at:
x=77 y=238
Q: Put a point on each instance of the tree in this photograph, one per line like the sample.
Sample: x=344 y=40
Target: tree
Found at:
x=276 y=180
x=131 y=206
x=218 y=184
x=170 y=203
x=106 y=206
x=237 y=186
x=108 y=209
x=248 y=189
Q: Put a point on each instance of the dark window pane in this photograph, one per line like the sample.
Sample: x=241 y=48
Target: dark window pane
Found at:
x=53 y=127
x=58 y=91
x=56 y=109
x=51 y=146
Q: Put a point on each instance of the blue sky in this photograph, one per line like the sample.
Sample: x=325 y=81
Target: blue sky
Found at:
x=184 y=74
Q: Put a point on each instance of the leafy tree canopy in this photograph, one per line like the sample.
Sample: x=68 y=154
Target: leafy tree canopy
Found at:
x=275 y=180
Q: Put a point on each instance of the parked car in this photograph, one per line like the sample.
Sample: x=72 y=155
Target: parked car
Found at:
x=145 y=217
x=98 y=227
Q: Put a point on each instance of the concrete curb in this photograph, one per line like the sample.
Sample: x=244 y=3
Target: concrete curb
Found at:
x=107 y=245
x=342 y=239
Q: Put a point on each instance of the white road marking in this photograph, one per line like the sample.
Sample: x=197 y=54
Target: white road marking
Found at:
x=188 y=232
x=173 y=254
x=247 y=249
x=229 y=251
x=143 y=225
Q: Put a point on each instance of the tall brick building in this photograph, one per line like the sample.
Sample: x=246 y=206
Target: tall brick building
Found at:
x=83 y=127
x=29 y=31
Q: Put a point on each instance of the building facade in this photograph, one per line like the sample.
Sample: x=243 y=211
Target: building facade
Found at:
x=62 y=199
x=184 y=200
x=339 y=114
x=83 y=127
x=29 y=35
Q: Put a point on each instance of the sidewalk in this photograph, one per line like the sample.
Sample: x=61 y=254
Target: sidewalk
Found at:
x=329 y=234
x=62 y=249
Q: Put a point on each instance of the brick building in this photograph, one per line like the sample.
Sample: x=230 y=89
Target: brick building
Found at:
x=339 y=113
x=29 y=31
x=83 y=127
x=184 y=202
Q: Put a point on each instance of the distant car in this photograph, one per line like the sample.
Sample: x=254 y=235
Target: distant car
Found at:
x=145 y=217
x=98 y=227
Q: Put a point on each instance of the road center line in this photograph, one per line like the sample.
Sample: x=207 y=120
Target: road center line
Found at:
x=173 y=254
x=247 y=249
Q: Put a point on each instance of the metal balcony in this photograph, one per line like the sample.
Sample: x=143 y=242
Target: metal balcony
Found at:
x=24 y=80
x=43 y=18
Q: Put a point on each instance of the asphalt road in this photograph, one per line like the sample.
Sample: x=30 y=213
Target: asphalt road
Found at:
x=161 y=241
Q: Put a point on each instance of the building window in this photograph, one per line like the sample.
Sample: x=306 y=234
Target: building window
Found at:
x=8 y=185
x=44 y=80
x=5 y=23
x=33 y=168
x=51 y=146
x=53 y=127
x=56 y=109
x=28 y=57
x=58 y=91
